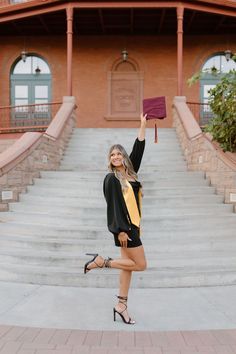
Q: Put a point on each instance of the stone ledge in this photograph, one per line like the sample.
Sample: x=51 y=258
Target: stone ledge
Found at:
x=18 y=151
x=33 y=152
x=202 y=153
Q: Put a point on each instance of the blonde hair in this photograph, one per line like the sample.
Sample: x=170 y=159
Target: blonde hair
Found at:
x=126 y=163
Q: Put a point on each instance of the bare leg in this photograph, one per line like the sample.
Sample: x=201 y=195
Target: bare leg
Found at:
x=132 y=260
x=125 y=276
x=125 y=279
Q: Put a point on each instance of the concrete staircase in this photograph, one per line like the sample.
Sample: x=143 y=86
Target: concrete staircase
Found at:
x=188 y=233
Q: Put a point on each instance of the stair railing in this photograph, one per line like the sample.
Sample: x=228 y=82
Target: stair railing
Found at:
x=31 y=117
x=34 y=152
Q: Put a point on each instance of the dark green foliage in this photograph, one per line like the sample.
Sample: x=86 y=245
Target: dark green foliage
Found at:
x=222 y=101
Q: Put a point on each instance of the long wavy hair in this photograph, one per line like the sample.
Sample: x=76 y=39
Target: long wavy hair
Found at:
x=126 y=163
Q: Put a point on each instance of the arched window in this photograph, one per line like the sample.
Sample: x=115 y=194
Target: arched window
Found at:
x=215 y=67
x=30 y=85
x=220 y=63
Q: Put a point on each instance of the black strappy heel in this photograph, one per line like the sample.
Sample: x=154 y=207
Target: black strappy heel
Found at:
x=122 y=300
x=106 y=263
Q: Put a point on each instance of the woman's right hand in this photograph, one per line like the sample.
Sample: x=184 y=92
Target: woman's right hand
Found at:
x=143 y=119
x=141 y=133
x=123 y=238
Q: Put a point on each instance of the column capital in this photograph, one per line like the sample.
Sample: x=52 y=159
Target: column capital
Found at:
x=69 y=13
x=180 y=12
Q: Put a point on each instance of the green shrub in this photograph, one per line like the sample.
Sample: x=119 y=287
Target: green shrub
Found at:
x=222 y=101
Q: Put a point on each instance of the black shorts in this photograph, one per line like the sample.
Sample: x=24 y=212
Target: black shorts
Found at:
x=134 y=235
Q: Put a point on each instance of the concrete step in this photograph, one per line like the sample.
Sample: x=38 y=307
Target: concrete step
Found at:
x=96 y=191
x=104 y=146
x=16 y=244
x=105 y=278
x=204 y=232
x=99 y=175
x=155 y=183
x=148 y=202
x=187 y=231
x=126 y=134
x=157 y=260
x=100 y=211
x=163 y=159
x=82 y=155
x=90 y=151
x=181 y=167
x=155 y=167
x=154 y=222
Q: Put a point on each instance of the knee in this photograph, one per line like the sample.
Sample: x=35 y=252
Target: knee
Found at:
x=142 y=266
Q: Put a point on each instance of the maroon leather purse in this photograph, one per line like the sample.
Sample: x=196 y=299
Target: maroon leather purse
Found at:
x=154 y=108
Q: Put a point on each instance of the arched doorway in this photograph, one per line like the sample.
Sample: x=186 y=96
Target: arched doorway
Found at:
x=30 y=85
x=215 y=68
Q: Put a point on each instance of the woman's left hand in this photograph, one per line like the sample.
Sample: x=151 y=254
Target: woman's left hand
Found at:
x=123 y=238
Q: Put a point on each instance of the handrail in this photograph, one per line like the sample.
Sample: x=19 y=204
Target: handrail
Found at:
x=32 y=105
x=56 y=127
x=27 y=117
x=201 y=111
x=193 y=130
x=191 y=127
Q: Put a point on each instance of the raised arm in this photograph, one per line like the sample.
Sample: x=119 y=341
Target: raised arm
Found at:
x=139 y=144
x=142 y=129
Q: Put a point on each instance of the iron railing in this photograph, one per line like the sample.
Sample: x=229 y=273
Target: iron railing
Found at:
x=201 y=111
x=33 y=117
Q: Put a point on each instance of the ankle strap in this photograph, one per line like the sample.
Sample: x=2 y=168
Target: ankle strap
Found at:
x=107 y=262
x=124 y=298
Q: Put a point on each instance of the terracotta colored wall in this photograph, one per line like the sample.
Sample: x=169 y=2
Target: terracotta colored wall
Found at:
x=93 y=58
x=53 y=50
x=96 y=56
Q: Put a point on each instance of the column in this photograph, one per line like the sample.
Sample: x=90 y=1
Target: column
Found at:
x=180 y=17
x=69 y=15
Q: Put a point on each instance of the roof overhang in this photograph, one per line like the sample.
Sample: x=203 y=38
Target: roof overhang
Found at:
x=218 y=16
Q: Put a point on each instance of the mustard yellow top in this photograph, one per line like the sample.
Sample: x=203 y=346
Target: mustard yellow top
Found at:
x=131 y=204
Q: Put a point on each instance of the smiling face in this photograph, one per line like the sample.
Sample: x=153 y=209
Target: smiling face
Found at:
x=116 y=158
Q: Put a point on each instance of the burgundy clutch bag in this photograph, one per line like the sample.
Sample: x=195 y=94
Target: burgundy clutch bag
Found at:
x=154 y=107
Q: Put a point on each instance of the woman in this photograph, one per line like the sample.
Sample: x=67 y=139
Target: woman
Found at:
x=122 y=192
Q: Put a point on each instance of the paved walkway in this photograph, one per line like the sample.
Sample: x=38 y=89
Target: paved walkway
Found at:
x=24 y=340
x=62 y=320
